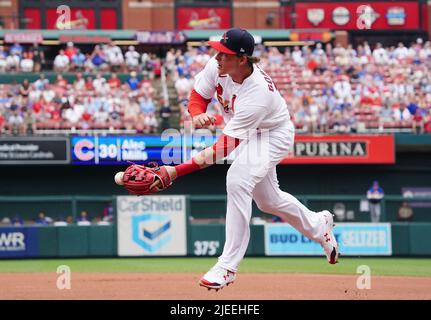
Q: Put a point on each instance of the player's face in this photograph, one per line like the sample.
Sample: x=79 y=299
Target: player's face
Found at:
x=227 y=63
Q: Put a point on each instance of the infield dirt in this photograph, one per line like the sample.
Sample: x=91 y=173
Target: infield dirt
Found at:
x=184 y=286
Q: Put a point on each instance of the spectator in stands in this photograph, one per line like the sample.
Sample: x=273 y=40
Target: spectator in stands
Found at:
x=99 y=84
x=61 y=82
x=98 y=59
x=380 y=55
x=132 y=58
x=401 y=52
x=297 y=56
x=16 y=121
x=115 y=57
x=146 y=65
x=342 y=88
x=150 y=123
x=101 y=118
x=16 y=49
x=27 y=63
x=24 y=91
x=29 y=121
x=146 y=86
x=147 y=105
x=89 y=84
x=79 y=82
x=17 y=221
x=38 y=57
x=108 y=213
x=418 y=121
x=60 y=221
x=375 y=195
x=77 y=62
x=3 y=57
x=48 y=94
x=183 y=87
x=405 y=213
x=401 y=113
x=41 y=82
x=156 y=66
x=133 y=81
x=427 y=122
x=2 y=121
x=70 y=50
x=12 y=62
x=165 y=115
x=131 y=113
x=61 y=62
x=42 y=219
x=72 y=116
x=5 y=221
x=114 y=82
x=83 y=216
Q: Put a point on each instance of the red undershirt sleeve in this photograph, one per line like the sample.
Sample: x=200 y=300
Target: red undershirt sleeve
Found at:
x=223 y=146
x=197 y=104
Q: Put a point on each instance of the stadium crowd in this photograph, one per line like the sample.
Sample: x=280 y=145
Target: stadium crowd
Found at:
x=347 y=90
x=328 y=89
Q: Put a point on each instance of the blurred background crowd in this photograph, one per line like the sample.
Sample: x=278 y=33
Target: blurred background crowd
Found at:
x=328 y=89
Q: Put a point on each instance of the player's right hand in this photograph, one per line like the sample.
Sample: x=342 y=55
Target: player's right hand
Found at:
x=203 y=121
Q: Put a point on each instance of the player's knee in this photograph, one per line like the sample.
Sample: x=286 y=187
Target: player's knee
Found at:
x=236 y=184
x=232 y=185
x=267 y=206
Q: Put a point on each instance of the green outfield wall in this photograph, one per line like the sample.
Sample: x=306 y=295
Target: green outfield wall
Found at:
x=408 y=239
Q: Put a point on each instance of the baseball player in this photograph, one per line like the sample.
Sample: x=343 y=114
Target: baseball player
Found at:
x=259 y=129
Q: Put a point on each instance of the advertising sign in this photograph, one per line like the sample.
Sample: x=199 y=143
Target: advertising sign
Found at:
x=121 y=149
x=342 y=149
x=163 y=37
x=23 y=37
x=372 y=239
x=32 y=150
x=151 y=225
x=18 y=242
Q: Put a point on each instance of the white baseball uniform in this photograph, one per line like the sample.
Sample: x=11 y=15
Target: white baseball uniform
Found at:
x=255 y=112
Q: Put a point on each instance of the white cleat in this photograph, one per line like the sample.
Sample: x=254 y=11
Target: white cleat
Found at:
x=217 y=278
x=329 y=243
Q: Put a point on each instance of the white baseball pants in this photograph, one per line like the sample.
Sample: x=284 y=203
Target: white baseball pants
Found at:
x=252 y=175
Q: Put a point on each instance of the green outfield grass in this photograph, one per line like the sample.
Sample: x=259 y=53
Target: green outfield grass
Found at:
x=379 y=266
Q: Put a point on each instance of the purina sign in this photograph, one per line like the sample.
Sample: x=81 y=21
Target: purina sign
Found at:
x=342 y=149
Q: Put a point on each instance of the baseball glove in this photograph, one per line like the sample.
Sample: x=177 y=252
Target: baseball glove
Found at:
x=141 y=180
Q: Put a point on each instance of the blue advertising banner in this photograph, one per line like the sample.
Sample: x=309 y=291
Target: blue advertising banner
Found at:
x=353 y=239
x=18 y=242
x=121 y=149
